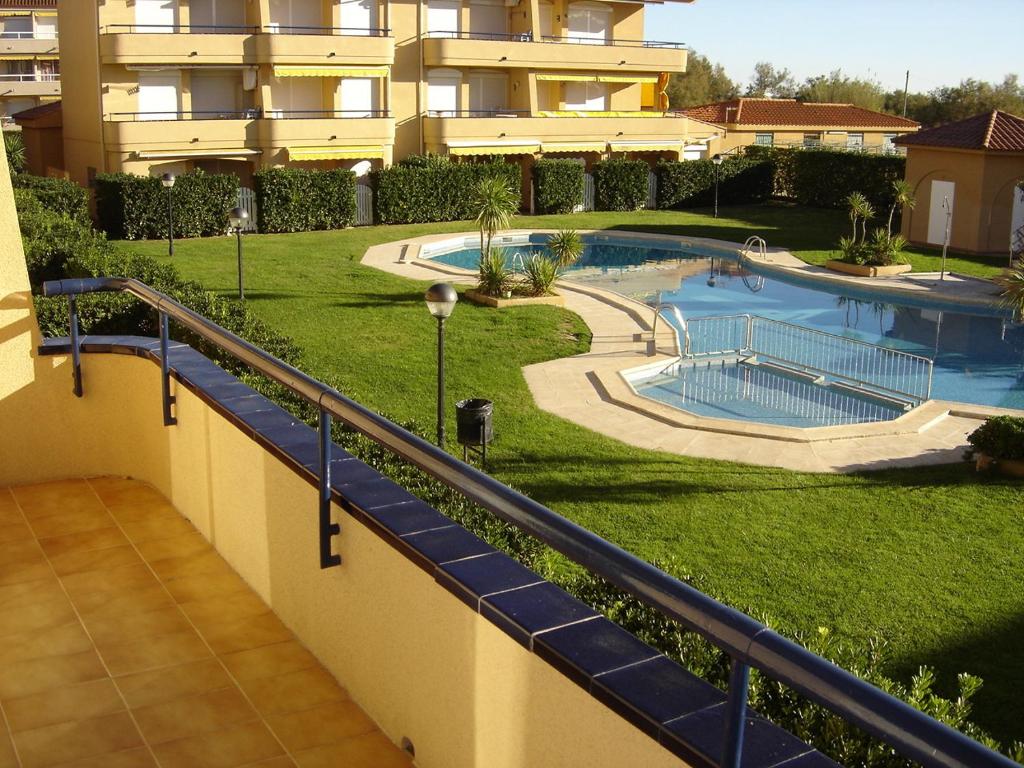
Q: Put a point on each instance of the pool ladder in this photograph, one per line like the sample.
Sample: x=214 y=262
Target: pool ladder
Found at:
x=755 y=241
x=652 y=345
x=517 y=258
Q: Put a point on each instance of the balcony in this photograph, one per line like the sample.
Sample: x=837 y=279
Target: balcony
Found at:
x=30 y=85
x=27 y=43
x=505 y=127
x=180 y=131
x=472 y=49
x=327 y=129
x=131 y=44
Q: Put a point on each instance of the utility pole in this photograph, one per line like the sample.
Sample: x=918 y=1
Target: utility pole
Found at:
x=906 y=93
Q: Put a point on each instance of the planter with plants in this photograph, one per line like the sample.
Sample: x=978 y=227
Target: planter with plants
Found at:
x=999 y=444
x=882 y=254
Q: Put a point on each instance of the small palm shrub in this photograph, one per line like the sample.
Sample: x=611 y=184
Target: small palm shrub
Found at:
x=565 y=247
x=885 y=249
x=495 y=278
x=1012 y=296
x=14 y=146
x=539 y=275
x=495 y=203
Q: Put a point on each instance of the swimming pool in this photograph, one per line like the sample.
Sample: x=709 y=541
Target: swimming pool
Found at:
x=978 y=353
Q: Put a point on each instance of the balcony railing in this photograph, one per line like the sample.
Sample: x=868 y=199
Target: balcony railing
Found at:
x=749 y=643
x=31 y=77
x=28 y=35
x=478 y=113
x=527 y=37
x=244 y=114
x=325 y=114
x=235 y=29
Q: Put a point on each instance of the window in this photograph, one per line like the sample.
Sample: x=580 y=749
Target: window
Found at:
x=812 y=139
x=586 y=97
x=764 y=139
x=887 y=143
x=488 y=93
x=158 y=95
x=216 y=15
x=46 y=27
x=296 y=97
x=216 y=94
x=443 y=18
x=17 y=26
x=443 y=87
x=546 y=11
x=48 y=71
x=589 y=23
x=358 y=17
x=488 y=19
x=155 y=15
x=855 y=141
x=358 y=96
x=296 y=17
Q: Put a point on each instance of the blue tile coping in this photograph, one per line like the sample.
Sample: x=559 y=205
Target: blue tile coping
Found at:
x=682 y=712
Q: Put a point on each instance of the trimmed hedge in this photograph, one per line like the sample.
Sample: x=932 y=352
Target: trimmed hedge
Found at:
x=434 y=188
x=691 y=183
x=620 y=185
x=824 y=178
x=557 y=186
x=301 y=200
x=130 y=207
x=57 y=195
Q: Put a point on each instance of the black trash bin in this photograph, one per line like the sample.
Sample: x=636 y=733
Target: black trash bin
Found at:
x=474 y=427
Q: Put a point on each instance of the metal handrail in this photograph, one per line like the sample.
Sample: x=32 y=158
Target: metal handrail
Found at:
x=483 y=113
x=683 y=325
x=211 y=114
x=748 y=642
x=248 y=29
x=31 y=77
x=527 y=37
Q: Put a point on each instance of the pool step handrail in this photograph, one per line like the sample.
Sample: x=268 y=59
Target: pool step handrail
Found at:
x=517 y=258
x=755 y=241
x=684 y=328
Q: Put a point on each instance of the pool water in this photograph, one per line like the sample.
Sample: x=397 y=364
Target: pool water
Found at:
x=978 y=353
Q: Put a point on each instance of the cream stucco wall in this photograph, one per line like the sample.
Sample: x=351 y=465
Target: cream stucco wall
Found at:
x=413 y=656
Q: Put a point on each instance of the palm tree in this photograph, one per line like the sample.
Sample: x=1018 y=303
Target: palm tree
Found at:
x=857 y=203
x=565 y=247
x=1012 y=297
x=903 y=198
x=495 y=203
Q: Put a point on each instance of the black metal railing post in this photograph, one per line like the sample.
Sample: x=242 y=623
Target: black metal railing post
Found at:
x=736 y=714
x=165 y=372
x=327 y=528
x=76 y=352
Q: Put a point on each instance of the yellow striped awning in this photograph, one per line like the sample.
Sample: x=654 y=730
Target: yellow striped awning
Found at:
x=170 y=154
x=568 y=78
x=569 y=146
x=524 y=148
x=48 y=57
x=15 y=13
x=645 y=146
x=15 y=57
x=327 y=71
x=336 y=153
x=627 y=78
x=46 y=13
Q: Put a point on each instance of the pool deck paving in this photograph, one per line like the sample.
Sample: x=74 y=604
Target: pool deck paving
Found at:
x=589 y=389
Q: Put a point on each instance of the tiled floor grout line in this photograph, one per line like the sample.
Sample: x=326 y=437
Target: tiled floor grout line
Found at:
x=81 y=623
x=196 y=629
x=3 y=712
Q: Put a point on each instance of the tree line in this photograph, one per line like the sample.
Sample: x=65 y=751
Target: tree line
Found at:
x=706 y=82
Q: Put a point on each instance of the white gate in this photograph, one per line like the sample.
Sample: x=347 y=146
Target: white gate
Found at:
x=939 y=210
x=588 y=191
x=364 y=205
x=652 y=190
x=247 y=202
x=1017 y=221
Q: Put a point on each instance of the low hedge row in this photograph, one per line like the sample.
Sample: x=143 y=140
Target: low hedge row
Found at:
x=130 y=207
x=434 y=188
x=300 y=200
x=691 y=183
x=57 y=195
x=620 y=185
x=557 y=186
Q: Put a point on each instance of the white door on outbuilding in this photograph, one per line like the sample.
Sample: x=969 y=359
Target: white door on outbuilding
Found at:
x=1017 y=220
x=940 y=206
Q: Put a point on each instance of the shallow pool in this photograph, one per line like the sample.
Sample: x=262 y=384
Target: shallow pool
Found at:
x=978 y=353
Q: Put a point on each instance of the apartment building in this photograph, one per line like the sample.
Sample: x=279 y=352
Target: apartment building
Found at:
x=234 y=85
x=29 y=65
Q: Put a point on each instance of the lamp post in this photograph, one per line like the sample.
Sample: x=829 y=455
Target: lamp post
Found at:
x=711 y=274
x=717 y=160
x=237 y=218
x=168 y=181
x=440 y=298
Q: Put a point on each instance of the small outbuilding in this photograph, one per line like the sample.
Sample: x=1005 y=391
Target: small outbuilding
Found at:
x=42 y=129
x=967 y=174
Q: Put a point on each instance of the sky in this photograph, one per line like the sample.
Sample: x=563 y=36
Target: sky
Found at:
x=941 y=42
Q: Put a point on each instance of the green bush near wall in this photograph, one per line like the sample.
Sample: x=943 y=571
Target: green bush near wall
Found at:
x=434 y=188
x=691 y=183
x=302 y=200
x=557 y=186
x=620 y=185
x=130 y=207
x=57 y=195
x=824 y=178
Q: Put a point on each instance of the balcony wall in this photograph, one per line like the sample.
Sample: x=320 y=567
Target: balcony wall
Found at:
x=29 y=46
x=325 y=49
x=16 y=88
x=438 y=131
x=135 y=135
x=445 y=52
x=140 y=48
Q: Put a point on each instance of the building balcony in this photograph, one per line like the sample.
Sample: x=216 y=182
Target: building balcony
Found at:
x=29 y=85
x=470 y=49
x=136 y=132
x=27 y=44
x=326 y=133
x=656 y=130
x=131 y=44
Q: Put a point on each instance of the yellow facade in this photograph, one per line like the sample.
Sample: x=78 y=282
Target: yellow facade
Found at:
x=234 y=85
x=29 y=59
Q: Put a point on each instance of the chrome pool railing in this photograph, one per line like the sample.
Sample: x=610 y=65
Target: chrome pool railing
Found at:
x=748 y=643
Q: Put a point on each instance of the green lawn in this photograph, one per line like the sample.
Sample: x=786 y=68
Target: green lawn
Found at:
x=930 y=558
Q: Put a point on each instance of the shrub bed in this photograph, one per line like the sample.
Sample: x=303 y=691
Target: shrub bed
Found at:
x=691 y=183
x=301 y=200
x=557 y=186
x=620 y=185
x=57 y=195
x=130 y=207
x=1000 y=437
x=434 y=188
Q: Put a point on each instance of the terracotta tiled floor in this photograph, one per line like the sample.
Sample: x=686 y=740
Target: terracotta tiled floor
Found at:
x=127 y=641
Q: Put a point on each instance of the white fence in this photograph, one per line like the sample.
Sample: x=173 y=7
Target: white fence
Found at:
x=588 y=192
x=364 y=205
x=247 y=202
x=652 y=190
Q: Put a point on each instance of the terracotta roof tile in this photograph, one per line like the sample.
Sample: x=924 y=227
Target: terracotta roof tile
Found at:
x=996 y=131
x=42 y=110
x=790 y=112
